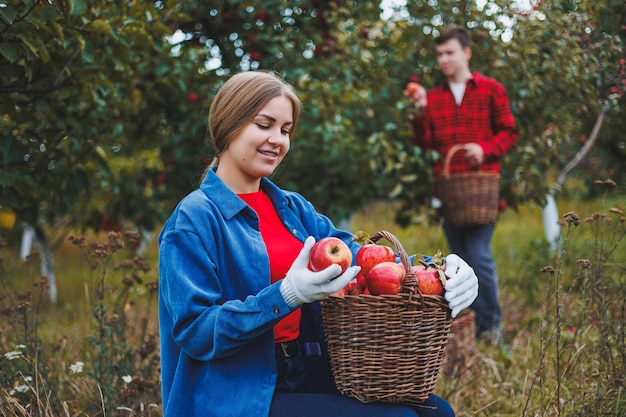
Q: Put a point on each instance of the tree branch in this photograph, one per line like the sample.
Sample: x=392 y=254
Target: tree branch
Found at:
x=582 y=152
x=58 y=77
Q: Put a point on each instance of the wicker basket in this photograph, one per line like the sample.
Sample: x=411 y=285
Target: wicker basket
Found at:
x=460 y=354
x=387 y=348
x=470 y=197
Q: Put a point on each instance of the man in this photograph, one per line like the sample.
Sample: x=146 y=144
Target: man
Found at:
x=473 y=110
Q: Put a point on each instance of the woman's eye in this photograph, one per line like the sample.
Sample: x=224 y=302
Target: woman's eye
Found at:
x=263 y=126
x=285 y=132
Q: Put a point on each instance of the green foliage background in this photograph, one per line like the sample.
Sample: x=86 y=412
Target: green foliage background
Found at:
x=104 y=112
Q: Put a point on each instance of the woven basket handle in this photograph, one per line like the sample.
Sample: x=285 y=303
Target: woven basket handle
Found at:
x=409 y=283
x=446 y=163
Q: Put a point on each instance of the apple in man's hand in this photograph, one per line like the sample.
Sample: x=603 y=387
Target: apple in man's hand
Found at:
x=328 y=251
x=385 y=278
x=372 y=254
x=412 y=87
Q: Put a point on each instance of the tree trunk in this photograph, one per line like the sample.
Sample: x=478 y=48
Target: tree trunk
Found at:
x=550 y=212
x=551 y=226
x=30 y=236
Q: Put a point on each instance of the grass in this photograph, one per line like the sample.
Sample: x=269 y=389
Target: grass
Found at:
x=563 y=325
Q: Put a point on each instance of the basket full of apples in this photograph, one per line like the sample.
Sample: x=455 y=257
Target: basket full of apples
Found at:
x=387 y=331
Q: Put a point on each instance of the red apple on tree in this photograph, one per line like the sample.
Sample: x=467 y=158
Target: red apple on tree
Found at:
x=193 y=97
x=328 y=251
x=385 y=278
x=372 y=254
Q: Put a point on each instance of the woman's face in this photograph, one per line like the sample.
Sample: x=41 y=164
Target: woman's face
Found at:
x=259 y=148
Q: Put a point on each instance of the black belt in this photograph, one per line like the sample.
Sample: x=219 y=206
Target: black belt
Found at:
x=288 y=349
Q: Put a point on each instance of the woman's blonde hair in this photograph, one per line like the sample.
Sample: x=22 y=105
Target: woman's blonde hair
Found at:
x=238 y=102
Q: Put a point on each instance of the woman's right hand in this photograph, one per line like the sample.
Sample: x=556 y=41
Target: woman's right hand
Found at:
x=301 y=285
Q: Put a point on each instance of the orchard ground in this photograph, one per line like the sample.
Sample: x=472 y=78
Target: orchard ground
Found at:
x=563 y=319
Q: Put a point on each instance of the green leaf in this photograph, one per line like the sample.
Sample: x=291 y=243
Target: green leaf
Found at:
x=8 y=51
x=36 y=46
x=8 y=13
x=100 y=26
x=77 y=7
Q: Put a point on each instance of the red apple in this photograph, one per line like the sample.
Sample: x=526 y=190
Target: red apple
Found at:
x=372 y=254
x=353 y=288
x=428 y=280
x=385 y=278
x=328 y=251
x=412 y=87
x=360 y=278
x=193 y=97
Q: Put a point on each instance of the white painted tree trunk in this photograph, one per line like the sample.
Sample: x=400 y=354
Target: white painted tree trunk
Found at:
x=29 y=238
x=550 y=212
x=551 y=226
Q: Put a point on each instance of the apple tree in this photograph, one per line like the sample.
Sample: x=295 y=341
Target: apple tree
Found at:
x=89 y=93
x=567 y=71
x=563 y=66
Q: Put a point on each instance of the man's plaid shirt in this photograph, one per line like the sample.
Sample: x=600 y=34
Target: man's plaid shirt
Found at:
x=484 y=117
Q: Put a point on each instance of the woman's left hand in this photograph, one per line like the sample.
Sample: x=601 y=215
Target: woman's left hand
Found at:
x=461 y=285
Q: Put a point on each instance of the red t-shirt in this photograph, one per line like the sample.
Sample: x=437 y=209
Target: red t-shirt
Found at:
x=282 y=249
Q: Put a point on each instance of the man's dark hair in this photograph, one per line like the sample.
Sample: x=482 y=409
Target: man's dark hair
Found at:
x=454 y=32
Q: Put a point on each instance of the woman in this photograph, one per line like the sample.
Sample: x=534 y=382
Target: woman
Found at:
x=233 y=277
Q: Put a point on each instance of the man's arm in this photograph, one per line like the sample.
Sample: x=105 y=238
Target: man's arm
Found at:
x=504 y=127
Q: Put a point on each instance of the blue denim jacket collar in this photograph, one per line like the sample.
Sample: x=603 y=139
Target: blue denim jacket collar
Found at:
x=229 y=204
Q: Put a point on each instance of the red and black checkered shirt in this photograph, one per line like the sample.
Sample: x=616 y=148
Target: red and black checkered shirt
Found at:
x=484 y=117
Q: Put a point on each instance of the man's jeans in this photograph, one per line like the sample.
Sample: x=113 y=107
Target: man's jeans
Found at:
x=473 y=244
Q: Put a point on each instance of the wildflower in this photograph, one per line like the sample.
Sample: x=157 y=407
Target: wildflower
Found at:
x=77 y=368
x=19 y=389
x=80 y=241
x=606 y=183
x=548 y=269
x=127 y=379
x=585 y=263
x=572 y=217
x=13 y=355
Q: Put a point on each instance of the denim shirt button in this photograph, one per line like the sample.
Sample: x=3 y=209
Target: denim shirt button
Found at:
x=294 y=231
x=276 y=310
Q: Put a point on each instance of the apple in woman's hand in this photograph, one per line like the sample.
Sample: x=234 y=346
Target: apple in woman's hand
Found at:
x=328 y=251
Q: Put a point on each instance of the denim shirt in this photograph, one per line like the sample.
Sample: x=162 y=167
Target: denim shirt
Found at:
x=217 y=307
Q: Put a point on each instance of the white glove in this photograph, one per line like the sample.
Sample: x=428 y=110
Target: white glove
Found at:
x=461 y=285
x=301 y=285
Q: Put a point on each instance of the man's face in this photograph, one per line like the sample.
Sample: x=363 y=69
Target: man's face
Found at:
x=452 y=58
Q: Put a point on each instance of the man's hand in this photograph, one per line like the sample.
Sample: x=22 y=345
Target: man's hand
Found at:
x=416 y=93
x=474 y=153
